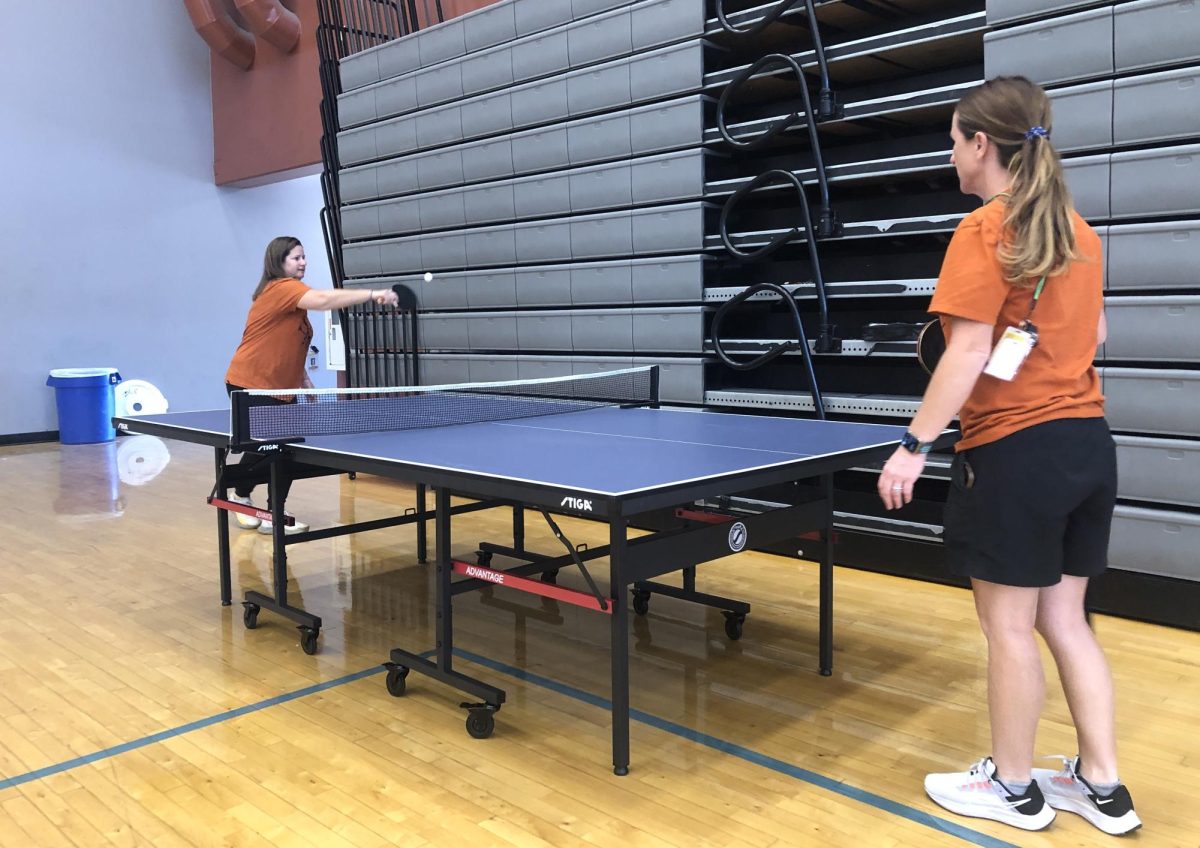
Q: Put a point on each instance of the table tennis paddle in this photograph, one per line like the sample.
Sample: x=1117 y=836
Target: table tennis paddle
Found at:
x=931 y=344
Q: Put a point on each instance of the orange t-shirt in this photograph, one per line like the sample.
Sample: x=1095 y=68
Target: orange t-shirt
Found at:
x=275 y=341
x=1057 y=379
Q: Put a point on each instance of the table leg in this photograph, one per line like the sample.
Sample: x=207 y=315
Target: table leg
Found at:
x=422 y=531
x=308 y=624
x=826 y=587
x=223 y=531
x=518 y=520
x=620 y=644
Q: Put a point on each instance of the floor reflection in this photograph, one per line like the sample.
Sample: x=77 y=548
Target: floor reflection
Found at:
x=90 y=476
x=89 y=485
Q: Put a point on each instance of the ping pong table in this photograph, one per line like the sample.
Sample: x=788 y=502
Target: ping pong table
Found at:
x=594 y=446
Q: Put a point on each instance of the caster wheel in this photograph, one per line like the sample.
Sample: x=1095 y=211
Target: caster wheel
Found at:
x=641 y=601
x=550 y=577
x=250 y=615
x=483 y=559
x=480 y=724
x=733 y=625
x=396 y=680
x=308 y=640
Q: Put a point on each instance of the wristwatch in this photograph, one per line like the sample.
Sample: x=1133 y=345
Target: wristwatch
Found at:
x=914 y=445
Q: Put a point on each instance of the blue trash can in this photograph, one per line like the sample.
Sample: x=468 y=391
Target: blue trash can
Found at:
x=85 y=401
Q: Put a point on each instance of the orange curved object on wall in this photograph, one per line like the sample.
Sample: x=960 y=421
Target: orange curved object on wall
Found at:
x=217 y=28
x=272 y=22
x=267 y=124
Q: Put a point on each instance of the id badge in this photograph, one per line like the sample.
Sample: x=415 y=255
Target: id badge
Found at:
x=1009 y=353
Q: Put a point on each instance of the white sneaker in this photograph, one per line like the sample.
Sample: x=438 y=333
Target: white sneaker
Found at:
x=268 y=527
x=1067 y=790
x=246 y=522
x=978 y=793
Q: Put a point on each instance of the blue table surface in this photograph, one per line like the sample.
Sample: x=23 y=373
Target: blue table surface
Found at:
x=603 y=451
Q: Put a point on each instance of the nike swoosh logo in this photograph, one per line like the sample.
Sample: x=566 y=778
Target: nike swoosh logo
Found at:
x=1104 y=800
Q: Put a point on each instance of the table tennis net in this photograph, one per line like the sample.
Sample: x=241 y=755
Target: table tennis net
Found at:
x=275 y=415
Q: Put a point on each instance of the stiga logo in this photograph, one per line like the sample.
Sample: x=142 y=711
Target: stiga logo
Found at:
x=485 y=574
x=577 y=503
x=738 y=536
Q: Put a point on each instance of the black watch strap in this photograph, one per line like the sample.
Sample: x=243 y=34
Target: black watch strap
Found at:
x=914 y=445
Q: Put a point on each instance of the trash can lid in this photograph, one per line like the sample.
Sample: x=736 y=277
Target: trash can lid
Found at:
x=68 y=373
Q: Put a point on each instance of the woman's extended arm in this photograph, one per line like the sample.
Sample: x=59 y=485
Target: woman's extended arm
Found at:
x=327 y=299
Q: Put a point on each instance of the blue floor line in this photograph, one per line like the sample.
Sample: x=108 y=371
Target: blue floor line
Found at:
x=750 y=755
x=161 y=736
x=717 y=744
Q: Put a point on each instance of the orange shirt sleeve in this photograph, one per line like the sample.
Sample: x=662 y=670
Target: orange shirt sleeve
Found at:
x=971 y=284
x=285 y=294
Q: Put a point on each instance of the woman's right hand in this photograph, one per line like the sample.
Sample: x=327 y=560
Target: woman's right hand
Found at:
x=385 y=297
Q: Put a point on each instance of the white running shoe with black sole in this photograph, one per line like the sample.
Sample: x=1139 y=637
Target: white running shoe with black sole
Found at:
x=1067 y=790
x=978 y=793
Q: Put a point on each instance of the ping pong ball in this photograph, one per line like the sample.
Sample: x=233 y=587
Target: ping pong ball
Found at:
x=428 y=277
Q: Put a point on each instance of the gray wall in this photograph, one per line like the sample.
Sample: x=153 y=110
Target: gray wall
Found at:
x=117 y=248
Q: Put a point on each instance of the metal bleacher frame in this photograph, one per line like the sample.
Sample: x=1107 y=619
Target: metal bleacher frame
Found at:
x=561 y=170
x=382 y=347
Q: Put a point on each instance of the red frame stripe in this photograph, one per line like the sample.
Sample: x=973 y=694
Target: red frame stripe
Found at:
x=707 y=517
x=533 y=587
x=703 y=516
x=262 y=514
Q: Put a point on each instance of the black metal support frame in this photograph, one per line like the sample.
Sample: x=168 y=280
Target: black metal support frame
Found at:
x=632 y=562
x=282 y=467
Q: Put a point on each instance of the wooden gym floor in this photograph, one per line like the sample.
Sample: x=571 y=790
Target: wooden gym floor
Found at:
x=135 y=710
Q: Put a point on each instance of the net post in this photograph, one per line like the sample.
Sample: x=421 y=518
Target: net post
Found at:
x=239 y=418
x=654 y=387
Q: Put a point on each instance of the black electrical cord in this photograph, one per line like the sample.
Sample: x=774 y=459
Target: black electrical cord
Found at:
x=827 y=341
x=800 y=344
x=759 y=25
x=828 y=227
x=827 y=105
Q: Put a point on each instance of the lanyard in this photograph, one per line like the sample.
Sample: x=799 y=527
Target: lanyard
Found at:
x=1041 y=283
x=1036 y=294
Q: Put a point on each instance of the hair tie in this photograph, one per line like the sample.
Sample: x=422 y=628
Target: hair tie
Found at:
x=1036 y=132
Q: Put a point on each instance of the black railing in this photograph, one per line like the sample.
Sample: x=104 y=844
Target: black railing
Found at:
x=346 y=27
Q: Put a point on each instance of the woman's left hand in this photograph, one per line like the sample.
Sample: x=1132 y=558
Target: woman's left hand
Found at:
x=899 y=475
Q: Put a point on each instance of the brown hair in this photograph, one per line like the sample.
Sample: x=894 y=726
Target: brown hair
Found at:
x=1014 y=114
x=277 y=251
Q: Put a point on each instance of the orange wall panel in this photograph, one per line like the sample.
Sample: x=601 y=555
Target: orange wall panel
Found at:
x=454 y=8
x=267 y=121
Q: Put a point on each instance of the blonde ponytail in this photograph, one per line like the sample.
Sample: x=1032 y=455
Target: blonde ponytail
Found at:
x=1014 y=114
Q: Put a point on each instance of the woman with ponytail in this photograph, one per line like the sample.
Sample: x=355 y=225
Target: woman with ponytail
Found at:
x=1034 y=481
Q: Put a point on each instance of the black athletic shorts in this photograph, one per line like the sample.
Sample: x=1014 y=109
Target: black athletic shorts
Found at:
x=1033 y=506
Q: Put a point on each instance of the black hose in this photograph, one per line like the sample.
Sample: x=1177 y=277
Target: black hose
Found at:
x=801 y=342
